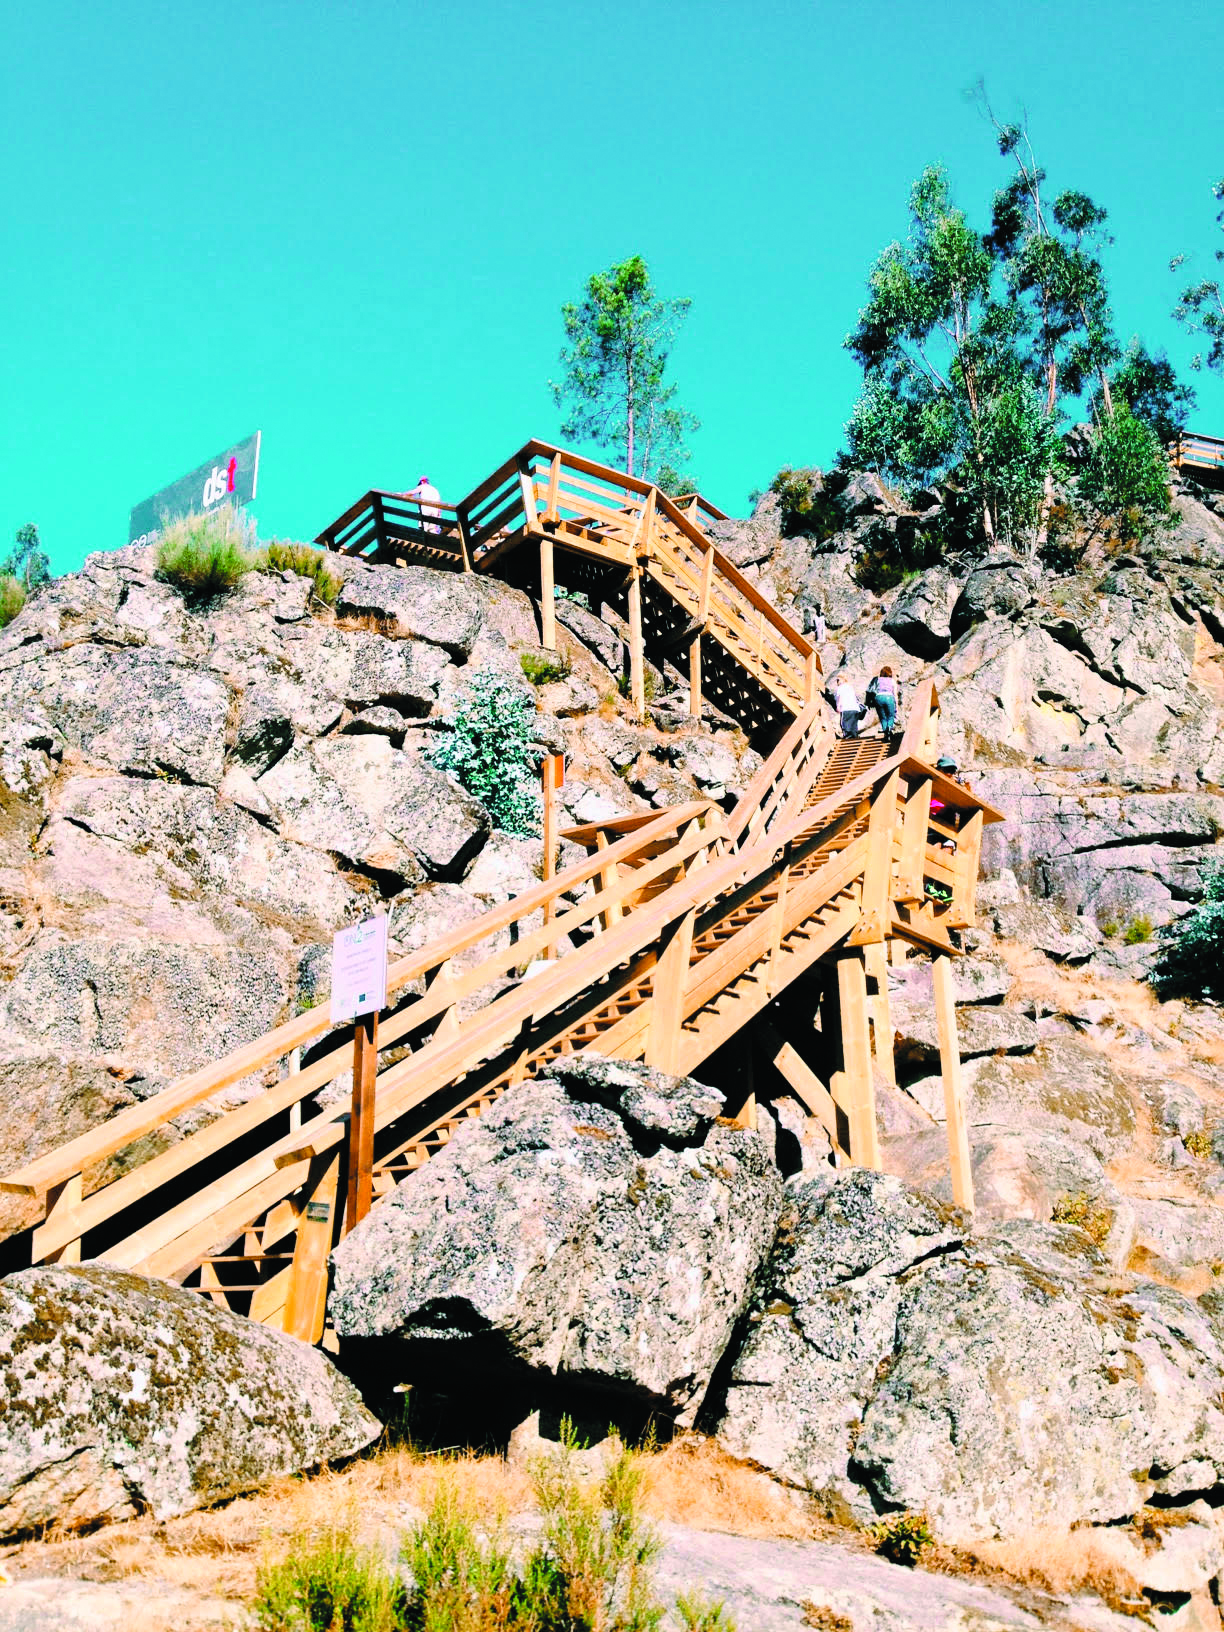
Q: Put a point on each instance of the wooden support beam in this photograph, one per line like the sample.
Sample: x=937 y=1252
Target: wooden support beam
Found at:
x=808 y=1089
x=607 y=879
x=551 y=514
x=695 y=677
x=548 y=603
x=637 y=652
x=913 y=842
x=881 y=1012
x=552 y=774
x=306 y=1299
x=667 y=1005
x=967 y=860
x=856 y=1060
x=954 y=1099
x=361 y=1121
x=877 y=875
x=62 y=1199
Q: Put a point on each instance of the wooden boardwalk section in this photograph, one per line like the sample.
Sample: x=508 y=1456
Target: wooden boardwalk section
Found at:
x=547 y=519
x=1201 y=458
x=752 y=948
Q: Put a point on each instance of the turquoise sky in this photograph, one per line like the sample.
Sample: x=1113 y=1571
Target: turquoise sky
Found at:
x=351 y=225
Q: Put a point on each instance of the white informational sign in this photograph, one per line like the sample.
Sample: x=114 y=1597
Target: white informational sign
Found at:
x=359 y=969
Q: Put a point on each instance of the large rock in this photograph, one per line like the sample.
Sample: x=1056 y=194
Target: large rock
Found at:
x=604 y=1231
x=136 y=709
x=414 y=603
x=125 y=1395
x=999 y=588
x=920 y=619
x=997 y=1385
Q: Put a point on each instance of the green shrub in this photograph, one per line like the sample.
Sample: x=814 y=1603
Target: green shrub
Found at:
x=1138 y=930
x=1095 y=1219
x=542 y=668
x=488 y=749
x=1125 y=477
x=1190 y=958
x=207 y=555
x=807 y=511
x=902 y=1540
x=12 y=599
x=330 y=1584
x=307 y=562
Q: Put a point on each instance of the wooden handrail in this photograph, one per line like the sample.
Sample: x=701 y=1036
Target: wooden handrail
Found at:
x=55 y=1168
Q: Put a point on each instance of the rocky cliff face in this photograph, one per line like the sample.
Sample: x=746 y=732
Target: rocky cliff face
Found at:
x=1085 y=699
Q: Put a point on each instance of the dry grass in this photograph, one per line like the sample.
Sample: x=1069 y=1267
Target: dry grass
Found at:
x=215 y=1554
x=692 y=1482
x=1058 y=1562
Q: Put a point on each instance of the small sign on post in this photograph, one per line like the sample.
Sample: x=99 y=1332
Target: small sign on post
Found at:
x=552 y=780
x=359 y=991
x=359 y=969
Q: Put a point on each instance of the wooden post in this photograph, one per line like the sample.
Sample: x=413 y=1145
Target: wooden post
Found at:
x=913 y=842
x=465 y=543
x=552 y=775
x=695 y=677
x=306 y=1298
x=968 y=858
x=877 y=872
x=607 y=879
x=954 y=1099
x=881 y=1013
x=552 y=514
x=361 y=1122
x=811 y=676
x=637 y=655
x=61 y=1199
x=548 y=604
x=856 y=1060
x=667 y=1004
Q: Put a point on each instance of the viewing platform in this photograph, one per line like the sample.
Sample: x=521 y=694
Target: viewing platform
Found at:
x=1200 y=458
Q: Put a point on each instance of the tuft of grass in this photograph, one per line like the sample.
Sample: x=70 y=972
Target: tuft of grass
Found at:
x=824 y=1618
x=307 y=562
x=902 y=1540
x=330 y=1582
x=1138 y=930
x=207 y=555
x=1198 y=1143
x=12 y=598
x=1094 y=1218
x=697 y=1613
x=542 y=668
x=1063 y=1562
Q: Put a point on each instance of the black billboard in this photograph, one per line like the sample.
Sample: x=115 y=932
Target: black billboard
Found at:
x=227 y=479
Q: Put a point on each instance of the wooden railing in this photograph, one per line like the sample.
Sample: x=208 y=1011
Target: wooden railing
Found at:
x=661 y=926
x=380 y=522
x=1199 y=456
x=544 y=492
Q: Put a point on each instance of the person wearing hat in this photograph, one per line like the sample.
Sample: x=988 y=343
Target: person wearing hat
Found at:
x=428 y=497
x=948 y=768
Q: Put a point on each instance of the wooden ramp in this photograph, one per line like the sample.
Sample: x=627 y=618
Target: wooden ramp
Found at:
x=689 y=939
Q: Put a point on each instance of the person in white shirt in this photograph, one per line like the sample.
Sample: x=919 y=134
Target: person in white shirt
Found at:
x=850 y=711
x=428 y=497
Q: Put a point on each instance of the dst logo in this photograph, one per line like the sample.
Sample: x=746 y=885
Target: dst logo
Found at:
x=220 y=484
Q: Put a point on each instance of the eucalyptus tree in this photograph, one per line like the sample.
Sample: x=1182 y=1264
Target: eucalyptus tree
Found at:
x=945 y=389
x=614 y=392
x=1201 y=306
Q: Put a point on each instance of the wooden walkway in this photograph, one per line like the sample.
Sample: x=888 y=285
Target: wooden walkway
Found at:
x=1201 y=458
x=547 y=519
x=685 y=938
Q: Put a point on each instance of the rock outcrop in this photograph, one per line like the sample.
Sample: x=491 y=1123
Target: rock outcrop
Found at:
x=998 y=1384
x=600 y=1228
x=123 y=1395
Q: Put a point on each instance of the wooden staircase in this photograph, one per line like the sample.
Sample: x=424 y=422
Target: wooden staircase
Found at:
x=673 y=942
x=547 y=519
